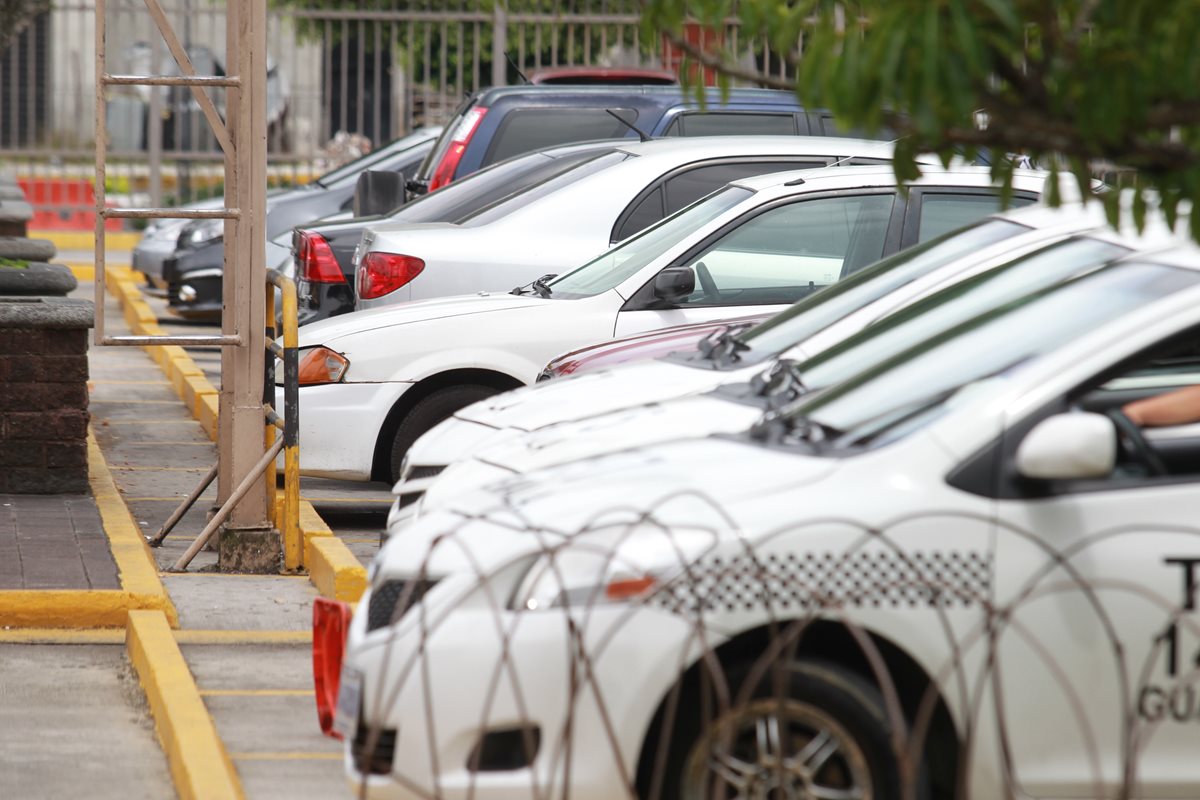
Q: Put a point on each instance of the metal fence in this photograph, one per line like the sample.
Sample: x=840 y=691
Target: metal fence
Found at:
x=374 y=70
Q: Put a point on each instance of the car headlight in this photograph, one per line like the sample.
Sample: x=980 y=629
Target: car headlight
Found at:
x=320 y=365
x=201 y=232
x=589 y=572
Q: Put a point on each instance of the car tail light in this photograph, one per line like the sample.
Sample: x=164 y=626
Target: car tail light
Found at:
x=458 y=145
x=322 y=365
x=384 y=273
x=331 y=621
x=314 y=260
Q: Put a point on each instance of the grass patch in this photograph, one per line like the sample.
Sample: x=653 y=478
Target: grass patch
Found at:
x=13 y=263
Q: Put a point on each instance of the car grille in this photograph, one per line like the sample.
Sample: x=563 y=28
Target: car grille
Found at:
x=379 y=760
x=408 y=498
x=383 y=611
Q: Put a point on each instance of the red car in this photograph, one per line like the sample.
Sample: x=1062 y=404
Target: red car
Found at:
x=619 y=76
x=642 y=345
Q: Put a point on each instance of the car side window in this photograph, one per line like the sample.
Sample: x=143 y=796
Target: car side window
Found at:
x=688 y=186
x=732 y=123
x=942 y=212
x=790 y=251
x=681 y=189
x=529 y=129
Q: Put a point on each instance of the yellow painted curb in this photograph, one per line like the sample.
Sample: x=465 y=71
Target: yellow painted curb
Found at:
x=67 y=608
x=209 y=412
x=135 y=563
x=86 y=240
x=83 y=272
x=200 y=766
x=334 y=570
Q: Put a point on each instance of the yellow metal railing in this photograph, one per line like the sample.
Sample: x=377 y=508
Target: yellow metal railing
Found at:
x=289 y=422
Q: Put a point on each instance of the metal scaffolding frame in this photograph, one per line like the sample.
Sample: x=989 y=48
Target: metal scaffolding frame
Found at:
x=245 y=474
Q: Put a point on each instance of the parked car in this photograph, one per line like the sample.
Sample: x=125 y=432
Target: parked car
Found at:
x=577 y=213
x=610 y=76
x=323 y=252
x=806 y=329
x=375 y=380
x=192 y=272
x=501 y=122
x=960 y=572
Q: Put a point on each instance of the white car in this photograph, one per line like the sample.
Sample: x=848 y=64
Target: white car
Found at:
x=803 y=331
x=962 y=567
x=373 y=381
x=584 y=203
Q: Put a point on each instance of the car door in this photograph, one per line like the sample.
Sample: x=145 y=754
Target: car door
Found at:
x=1097 y=654
x=772 y=257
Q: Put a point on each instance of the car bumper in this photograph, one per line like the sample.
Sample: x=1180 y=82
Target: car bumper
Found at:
x=148 y=258
x=588 y=739
x=339 y=426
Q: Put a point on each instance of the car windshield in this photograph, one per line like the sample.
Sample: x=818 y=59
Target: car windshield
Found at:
x=374 y=157
x=977 y=359
x=822 y=309
x=494 y=186
x=956 y=304
x=625 y=260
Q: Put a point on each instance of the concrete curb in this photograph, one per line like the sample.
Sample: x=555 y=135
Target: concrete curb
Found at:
x=97 y=608
x=86 y=240
x=200 y=765
x=332 y=568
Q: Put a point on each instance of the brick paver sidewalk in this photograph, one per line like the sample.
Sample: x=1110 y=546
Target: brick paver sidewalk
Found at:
x=53 y=542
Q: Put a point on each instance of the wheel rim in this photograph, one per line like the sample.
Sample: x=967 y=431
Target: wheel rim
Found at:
x=772 y=749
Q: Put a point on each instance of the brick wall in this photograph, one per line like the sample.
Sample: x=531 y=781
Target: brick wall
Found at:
x=43 y=410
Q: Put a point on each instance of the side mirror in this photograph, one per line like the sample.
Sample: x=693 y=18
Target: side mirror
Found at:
x=378 y=192
x=674 y=283
x=1069 y=446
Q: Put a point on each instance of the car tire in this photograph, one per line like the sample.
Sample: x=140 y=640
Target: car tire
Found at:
x=819 y=702
x=427 y=412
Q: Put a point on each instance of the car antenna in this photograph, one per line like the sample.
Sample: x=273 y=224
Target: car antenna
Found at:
x=516 y=69
x=641 y=133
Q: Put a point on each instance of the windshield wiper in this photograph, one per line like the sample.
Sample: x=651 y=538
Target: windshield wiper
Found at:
x=784 y=427
x=782 y=384
x=538 y=287
x=723 y=347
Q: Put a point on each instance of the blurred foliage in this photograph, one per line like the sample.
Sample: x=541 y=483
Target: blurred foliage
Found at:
x=1074 y=84
x=15 y=15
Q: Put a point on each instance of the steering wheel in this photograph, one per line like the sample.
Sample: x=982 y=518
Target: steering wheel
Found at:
x=1133 y=443
x=707 y=284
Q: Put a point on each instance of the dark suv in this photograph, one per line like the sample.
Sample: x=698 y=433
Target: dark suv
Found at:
x=496 y=124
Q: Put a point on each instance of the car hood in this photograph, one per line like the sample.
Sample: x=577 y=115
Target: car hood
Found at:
x=693 y=484
x=646 y=345
x=595 y=393
x=328 y=331
x=521 y=453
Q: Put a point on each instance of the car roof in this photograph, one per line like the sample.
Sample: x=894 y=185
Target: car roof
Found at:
x=497 y=93
x=862 y=175
x=720 y=146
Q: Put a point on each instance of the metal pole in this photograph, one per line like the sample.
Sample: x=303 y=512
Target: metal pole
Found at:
x=187 y=503
x=247 y=543
x=499 y=44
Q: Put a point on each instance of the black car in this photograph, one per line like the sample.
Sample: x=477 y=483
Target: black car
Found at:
x=193 y=271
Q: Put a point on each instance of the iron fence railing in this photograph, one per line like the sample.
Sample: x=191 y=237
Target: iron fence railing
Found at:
x=374 y=69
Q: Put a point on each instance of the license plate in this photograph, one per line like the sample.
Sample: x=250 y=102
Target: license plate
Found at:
x=345 y=717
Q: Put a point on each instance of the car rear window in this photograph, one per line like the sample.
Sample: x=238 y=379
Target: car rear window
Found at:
x=550 y=182
x=732 y=124
x=537 y=128
x=489 y=187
